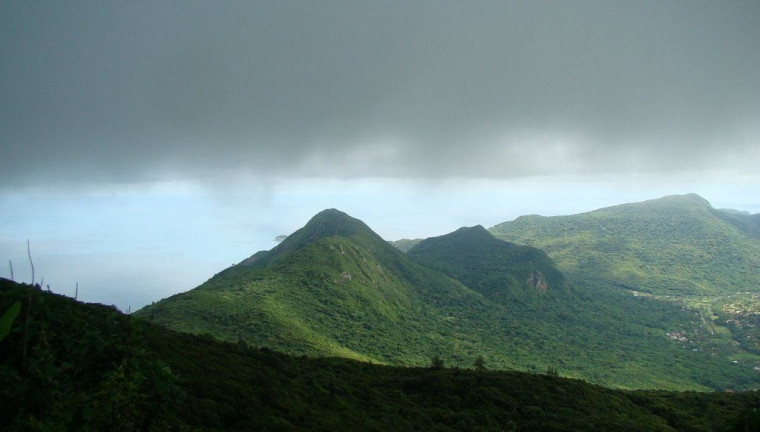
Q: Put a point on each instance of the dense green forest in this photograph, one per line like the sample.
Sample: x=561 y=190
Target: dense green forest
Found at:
x=677 y=249
x=66 y=365
x=497 y=269
x=677 y=246
x=335 y=288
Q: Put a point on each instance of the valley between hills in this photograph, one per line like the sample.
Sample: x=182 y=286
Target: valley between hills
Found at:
x=642 y=316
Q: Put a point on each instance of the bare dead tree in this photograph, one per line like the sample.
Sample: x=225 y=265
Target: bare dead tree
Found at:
x=31 y=263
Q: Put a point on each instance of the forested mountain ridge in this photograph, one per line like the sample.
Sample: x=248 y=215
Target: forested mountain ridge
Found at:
x=677 y=245
x=335 y=288
x=676 y=249
x=67 y=365
x=498 y=269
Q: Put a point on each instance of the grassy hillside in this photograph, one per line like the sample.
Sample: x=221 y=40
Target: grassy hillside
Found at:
x=72 y=366
x=677 y=245
x=335 y=288
x=607 y=332
x=332 y=288
x=676 y=249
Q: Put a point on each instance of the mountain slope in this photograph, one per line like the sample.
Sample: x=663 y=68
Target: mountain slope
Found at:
x=676 y=245
x=73 y=366
x=587 y=331
x=500 y=270
x=332 y=288
x=354 y=295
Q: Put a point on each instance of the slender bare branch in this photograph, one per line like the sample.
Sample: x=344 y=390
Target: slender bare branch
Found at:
x=31 y=263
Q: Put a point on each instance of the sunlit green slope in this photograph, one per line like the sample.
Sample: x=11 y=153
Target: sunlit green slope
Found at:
x=332 y=288
x=335 y=288
x=601 y=335
x=677 y=245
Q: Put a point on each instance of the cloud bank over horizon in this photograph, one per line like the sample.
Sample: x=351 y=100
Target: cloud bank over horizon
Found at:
x=143 y=91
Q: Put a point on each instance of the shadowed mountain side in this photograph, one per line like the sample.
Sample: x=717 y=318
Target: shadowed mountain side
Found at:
x=67 y=365
x=499 y=270
x=746 y=222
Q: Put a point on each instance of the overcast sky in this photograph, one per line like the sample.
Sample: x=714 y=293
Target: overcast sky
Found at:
x=145 y=146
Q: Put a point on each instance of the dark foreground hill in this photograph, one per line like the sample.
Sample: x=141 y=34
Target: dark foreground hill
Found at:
x=335 y=288
x=65 y=365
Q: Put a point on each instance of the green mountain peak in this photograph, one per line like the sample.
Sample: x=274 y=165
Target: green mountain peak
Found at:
x=686 y=198
x=468 y=239
x=690 y=200
x=477 y=231
x=489 y=265
x=333 y=287
x=327 y=223
x=333 y=222
x=465 y=237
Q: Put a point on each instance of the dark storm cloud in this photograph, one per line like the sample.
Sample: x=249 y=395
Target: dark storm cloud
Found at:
x=135 y=91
